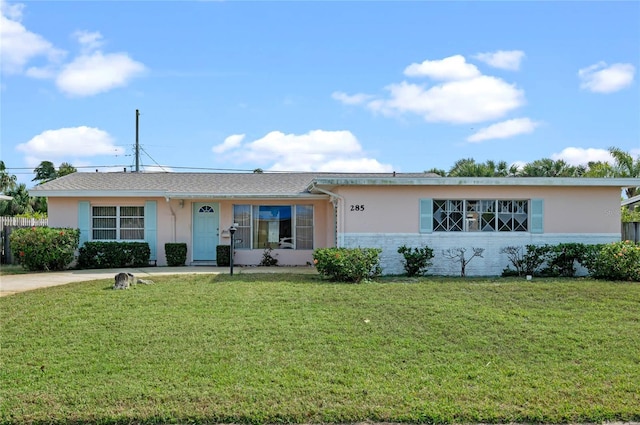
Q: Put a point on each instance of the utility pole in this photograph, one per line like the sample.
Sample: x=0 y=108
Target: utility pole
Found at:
x=137 y=142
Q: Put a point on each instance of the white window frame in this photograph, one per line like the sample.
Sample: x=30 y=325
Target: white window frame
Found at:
x=119 y=218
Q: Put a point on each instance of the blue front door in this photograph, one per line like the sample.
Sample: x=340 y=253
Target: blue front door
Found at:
x=205 y=231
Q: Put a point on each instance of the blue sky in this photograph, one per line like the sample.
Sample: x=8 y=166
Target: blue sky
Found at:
x=316 y=86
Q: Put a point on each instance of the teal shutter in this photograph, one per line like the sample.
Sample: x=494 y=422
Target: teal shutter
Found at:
x=84 y=221
x=537 y=219
x=426 y=215
x=150 y=227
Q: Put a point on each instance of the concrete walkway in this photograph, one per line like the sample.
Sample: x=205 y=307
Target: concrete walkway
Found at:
x=11 y=284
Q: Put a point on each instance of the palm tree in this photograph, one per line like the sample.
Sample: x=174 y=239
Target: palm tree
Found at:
x=45 y=172
x=437 y=171
x=65 y=168
x=547 y=167
x=7 y=181
x=599 y=169
x=20 y=204
x=626 y=166
x=469 y=168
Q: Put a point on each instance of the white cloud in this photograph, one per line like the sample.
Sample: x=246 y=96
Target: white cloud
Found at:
x=356 y=165
x=90 y=73
x=505 y=129
x=464 y=95
x=317 y=150
x=42 y=72
x=478 y=99
x=582 y=156
x=355 y=99
x=447 y=69
x=97 y=72
x=19 y=46
x=601 y=78
x=156 y=169
x=229 y=143
x=72 y=142
x=89 y=41
x=503 y=59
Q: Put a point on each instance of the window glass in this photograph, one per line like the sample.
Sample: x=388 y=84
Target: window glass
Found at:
x=117 y=223
x=242 y=216
x=131 y=223
x=448 y=216
x=304 y=227
x=273 y=226
x=485 y=215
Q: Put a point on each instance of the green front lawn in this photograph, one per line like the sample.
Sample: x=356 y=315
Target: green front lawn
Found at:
x=6 y=269
x=256 y=348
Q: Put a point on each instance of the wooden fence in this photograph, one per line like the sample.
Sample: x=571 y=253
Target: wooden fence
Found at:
x=631 y=231
x=23 y=221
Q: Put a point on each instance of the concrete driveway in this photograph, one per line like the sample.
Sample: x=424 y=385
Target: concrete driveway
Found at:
x=11 y=284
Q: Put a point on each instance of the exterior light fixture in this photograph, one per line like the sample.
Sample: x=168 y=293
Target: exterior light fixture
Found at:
x=232 y=231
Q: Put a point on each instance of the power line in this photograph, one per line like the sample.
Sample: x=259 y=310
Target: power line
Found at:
x=156 y=162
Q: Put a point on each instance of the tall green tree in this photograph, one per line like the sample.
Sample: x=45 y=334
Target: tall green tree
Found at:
x=7 y=181
x=437 y=171
x=45 y=172
x=547 y=167
x=66 y=168
x=599 y=169
x=20 y=204
x=626 y=166
x=468 y=167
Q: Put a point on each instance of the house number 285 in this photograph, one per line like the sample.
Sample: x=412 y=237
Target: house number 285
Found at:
x=357 y=207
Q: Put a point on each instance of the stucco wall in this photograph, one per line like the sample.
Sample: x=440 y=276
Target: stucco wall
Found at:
x=388 y=217
x=63 y=212
x=322 y=231
x=393 y=209
x=174 y=224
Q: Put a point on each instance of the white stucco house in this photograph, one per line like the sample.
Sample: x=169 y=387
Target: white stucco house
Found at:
x=295 y=213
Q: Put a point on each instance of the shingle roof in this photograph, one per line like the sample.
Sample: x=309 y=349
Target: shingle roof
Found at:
x=274 y=185
x=190 y=184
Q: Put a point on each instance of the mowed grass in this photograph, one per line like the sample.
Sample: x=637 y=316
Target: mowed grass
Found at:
x=8 y=269
x=262 y=348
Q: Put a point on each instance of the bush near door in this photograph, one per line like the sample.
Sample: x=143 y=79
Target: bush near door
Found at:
x=176 y=254
x=223 y=255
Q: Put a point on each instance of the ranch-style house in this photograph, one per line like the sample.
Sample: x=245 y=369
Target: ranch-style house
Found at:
x=295 y=213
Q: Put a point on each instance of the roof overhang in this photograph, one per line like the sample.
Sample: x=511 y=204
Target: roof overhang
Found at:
x=170 y=195
x=631 y=201
x=330 y=183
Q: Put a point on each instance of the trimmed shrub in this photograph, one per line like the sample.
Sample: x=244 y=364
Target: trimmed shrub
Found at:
x=107 y=255
x=590 y=256
x=223 y=255
x=268 y=258
x=175 y=253
x=617 y=261
x=44 y=248
x=562 y=258
x=352 y=265
x=527 y=263
x=416 y=260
